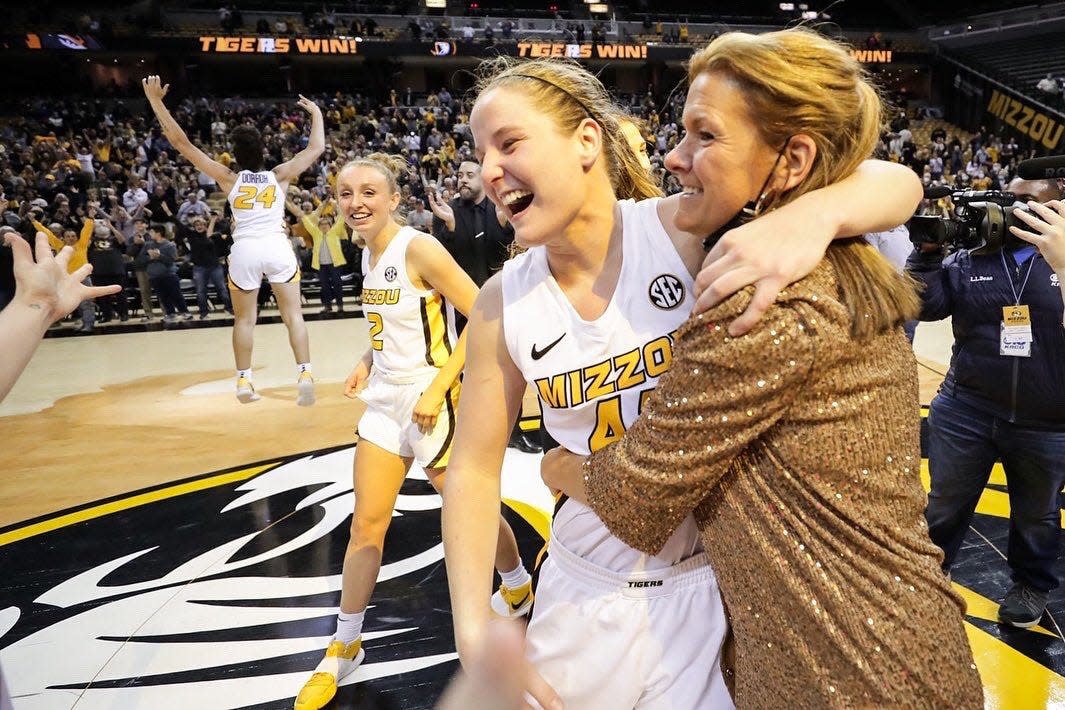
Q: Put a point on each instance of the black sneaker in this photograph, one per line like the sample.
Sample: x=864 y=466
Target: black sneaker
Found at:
x=1023 y=606
x=524 y=441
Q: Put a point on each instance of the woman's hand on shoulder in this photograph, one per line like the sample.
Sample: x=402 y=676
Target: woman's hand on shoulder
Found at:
x=769 y=253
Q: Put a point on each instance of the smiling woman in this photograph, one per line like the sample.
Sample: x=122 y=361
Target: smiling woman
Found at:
x=586 y=317
x=795 y=447
x=408 y=379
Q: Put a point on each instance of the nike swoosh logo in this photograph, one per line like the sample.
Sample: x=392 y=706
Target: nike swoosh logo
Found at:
x=537 y=354
x=518 y=605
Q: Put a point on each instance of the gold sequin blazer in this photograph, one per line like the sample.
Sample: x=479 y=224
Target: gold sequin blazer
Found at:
x=797 y=448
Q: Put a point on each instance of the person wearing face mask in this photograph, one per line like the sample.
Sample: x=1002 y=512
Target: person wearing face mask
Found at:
x=586 y=316
x=409 y=381
x=796 y=446
x=106 y=250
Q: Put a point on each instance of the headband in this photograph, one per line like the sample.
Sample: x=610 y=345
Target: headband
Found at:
x=559 y=88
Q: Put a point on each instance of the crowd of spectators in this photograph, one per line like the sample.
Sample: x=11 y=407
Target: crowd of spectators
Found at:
x=63 y=163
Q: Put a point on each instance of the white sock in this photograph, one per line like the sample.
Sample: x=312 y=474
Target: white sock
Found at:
x=303 y=367
x=349 y=626
x=246 y=374
x=516 y=577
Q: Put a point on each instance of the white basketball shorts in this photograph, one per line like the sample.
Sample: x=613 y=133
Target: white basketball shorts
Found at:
x=387 y=420
x=611 y=641
x=253 y=258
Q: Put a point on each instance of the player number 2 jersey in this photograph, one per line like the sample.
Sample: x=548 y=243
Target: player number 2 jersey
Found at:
x=592 y=377
x=410 y=329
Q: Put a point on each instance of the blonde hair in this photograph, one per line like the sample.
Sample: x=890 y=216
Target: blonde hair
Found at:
x=568 y=93
x=796 y=81
x=392 y=167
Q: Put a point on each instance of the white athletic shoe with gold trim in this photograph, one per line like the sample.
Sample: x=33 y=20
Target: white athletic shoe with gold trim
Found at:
x=512 y=603
x=246 y=391
x=305 y=385
x=340 y=661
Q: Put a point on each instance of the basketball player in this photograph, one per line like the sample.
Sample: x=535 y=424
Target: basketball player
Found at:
x=409 y=380
x=260 y=245
x=585 y=317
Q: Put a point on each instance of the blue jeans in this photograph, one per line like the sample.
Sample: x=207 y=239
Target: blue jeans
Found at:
x=88 y=309
x=963 y=445
x=168 y=290
x=201 y=276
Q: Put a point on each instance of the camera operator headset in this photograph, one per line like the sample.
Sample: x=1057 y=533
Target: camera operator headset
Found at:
x=1004 y=394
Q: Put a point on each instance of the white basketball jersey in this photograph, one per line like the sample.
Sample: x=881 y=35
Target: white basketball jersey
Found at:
x=410 y=331
x=592 y=376
x=258 y=204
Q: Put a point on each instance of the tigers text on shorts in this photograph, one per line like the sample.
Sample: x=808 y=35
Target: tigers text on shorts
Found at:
x=652 y=640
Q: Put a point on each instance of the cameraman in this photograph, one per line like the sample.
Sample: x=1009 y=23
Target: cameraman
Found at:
x=1004 y=395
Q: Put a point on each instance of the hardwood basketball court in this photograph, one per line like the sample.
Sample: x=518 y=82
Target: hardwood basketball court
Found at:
x=165 y=546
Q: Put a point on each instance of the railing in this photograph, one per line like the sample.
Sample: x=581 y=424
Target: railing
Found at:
x=990 y=77
x=1006 y=24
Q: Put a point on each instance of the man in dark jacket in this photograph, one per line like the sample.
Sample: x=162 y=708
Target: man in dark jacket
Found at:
x=470 y=228
x=1003 y=398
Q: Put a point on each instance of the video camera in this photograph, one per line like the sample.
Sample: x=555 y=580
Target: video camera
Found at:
x=981 y=222
x=982 y=217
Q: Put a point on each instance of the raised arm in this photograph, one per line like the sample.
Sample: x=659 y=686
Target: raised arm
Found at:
x=492 y=390
x=155 y=90
x=290 y=170
x=53 y=241
x=120 y=237
x=786 y=244
x=444 y=214
x=87 y=228
x=310 y=220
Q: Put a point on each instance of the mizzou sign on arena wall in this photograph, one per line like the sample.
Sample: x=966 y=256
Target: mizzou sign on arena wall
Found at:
x=1025 y=119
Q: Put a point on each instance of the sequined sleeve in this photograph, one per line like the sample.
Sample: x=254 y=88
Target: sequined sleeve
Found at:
x=719 y=396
